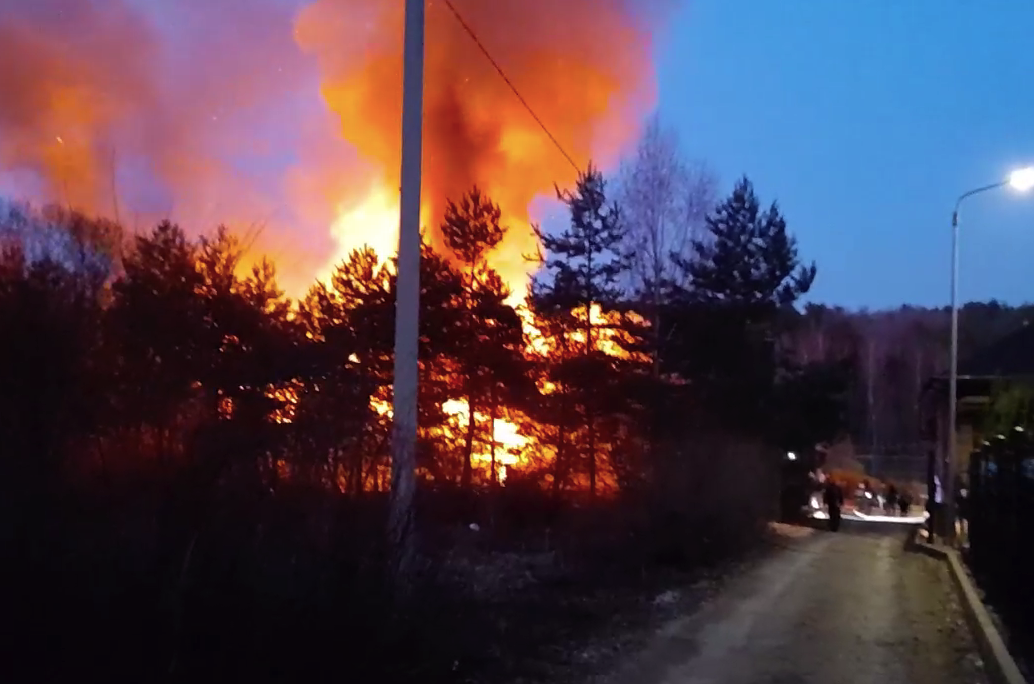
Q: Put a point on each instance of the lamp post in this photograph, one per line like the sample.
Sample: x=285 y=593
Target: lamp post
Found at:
x=1020 y=180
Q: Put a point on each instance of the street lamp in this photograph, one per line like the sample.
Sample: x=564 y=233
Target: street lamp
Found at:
x=1021 y=180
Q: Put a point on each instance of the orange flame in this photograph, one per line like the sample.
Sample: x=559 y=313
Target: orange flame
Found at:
x=584 y=65
x=85 y=85
x=576 y=61
x=183 y=110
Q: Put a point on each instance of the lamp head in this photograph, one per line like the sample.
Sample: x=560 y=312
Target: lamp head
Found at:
x=1022 y=180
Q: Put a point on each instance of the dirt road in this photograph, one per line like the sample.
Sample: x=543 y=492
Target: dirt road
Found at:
x=847 y=608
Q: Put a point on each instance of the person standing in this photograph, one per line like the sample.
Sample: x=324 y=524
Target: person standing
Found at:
x=834 y=500
x=962 y=507
x=933 y=506
x=868 y=498
x=904 y=502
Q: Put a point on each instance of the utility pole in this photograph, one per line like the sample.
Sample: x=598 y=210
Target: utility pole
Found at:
x=407 y=307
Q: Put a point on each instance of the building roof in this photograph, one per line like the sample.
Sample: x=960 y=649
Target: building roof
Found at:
x=968 y=386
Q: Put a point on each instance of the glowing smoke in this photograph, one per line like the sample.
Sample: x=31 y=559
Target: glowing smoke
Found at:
x=584 y=65
x=209 y=110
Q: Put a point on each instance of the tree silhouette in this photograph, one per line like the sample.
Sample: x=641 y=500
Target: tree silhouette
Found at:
x=748 y=258
x=51 y=392
x=195 y=467
x=156 y=321
x=471 y=228
x=491 y=338
x=744 y=278
x=583 y=271
x=350 y=331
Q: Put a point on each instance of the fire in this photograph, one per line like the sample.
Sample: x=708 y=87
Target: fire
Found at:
x=287 y=396
x=377 y=221
x=585 y=66
x=510 y=445
x=121 y=128
x=477 y=131
x=374 y=223
x=112 y=107
x=504 y=436
x=608 y=332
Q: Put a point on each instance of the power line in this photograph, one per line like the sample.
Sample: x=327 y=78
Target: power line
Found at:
x=506 y=79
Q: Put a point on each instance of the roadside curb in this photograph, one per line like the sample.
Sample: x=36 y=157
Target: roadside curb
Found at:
x=1000 y=665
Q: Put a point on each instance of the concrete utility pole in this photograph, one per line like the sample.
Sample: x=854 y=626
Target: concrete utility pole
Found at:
x=407 y=305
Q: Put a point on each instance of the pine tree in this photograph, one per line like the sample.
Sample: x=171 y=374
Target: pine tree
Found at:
x=471 y=228
x=492 y=338
x=157 y=321
x=494 y=356
x=349 y=355
x=586 y=263
x=748 y=259
x=745 y=275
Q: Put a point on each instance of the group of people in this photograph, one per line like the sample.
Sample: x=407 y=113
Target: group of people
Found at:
x=892 y=502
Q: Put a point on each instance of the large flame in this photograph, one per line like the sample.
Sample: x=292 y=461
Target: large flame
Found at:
x=282 y=119
x=215 y=112
x=579 y=64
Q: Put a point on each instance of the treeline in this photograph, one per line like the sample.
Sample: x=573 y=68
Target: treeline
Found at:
x=193 y=465
x=895 y=352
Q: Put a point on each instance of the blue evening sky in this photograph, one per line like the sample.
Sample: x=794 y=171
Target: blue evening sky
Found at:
x=865 y=119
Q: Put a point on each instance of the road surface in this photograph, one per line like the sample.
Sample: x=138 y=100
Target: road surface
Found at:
x=846 y=608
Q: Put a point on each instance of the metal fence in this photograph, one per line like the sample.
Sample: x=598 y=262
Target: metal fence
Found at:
x=1001 y=519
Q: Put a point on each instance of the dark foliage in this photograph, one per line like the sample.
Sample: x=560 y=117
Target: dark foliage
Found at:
x=743 y=280
x=578 y=290
x=193 y=468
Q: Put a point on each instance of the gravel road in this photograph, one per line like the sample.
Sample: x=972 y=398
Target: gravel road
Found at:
x=845 y=608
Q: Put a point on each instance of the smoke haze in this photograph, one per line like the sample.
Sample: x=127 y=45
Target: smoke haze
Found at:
x=279 y=115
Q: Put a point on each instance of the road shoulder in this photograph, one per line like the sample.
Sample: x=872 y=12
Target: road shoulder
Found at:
x=1001 y=666
x=727 y=616
x=847 y=607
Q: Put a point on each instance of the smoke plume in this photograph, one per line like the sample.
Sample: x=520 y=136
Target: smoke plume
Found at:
x=280 y=116
x=583 y=66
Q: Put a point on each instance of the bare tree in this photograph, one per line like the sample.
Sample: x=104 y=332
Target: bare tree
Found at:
x=664 y=198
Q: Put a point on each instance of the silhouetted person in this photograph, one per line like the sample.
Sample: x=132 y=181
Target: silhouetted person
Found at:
x=892 y=499
x=868 y=498
x=834 y=500
x=961 y=509
x=904 y=502
x=934 y=503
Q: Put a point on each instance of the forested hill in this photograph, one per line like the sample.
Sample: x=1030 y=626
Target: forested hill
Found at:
x=895 y=351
